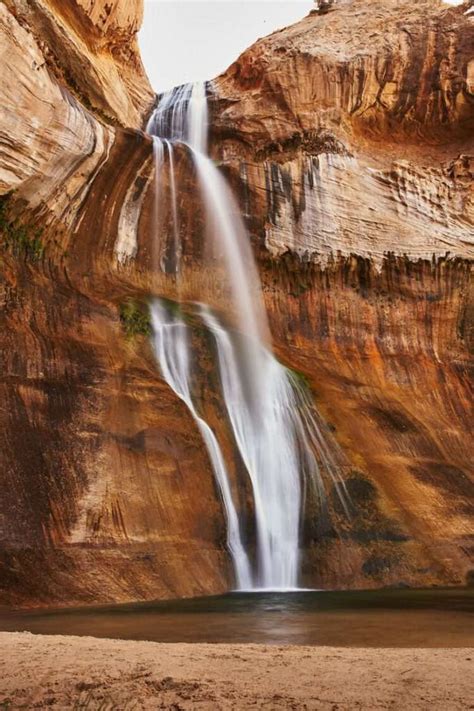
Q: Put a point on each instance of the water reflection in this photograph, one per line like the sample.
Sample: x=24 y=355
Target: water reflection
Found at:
x=387 y=618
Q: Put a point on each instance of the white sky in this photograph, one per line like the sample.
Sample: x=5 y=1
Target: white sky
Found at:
x=192 y=40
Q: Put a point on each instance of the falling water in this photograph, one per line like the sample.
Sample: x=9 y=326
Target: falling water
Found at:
x=272 y=423
x=265 y=436
x=182 y=116
x=170 y=331
x=172 y=350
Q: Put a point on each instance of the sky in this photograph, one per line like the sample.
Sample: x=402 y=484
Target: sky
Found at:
x=192 y=40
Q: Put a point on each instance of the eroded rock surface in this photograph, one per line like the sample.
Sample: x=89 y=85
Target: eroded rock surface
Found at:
x=348 y=139
x=91 y=48
x=98 y=496
x=357 y=127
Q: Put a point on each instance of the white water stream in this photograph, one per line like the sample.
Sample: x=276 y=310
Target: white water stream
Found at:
x=270 y=416
x=172 y=350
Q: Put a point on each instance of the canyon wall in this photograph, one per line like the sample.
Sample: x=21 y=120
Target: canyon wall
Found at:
x=348 y=140
x=349 y=137
x=107 y=492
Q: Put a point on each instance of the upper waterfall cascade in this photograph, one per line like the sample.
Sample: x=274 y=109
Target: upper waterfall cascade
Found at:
x=273 y=424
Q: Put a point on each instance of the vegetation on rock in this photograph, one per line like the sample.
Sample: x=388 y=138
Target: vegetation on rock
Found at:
x=20 y=239
x=135 y=319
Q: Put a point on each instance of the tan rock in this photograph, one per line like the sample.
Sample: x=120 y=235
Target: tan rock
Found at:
x=351 y=137
x=92 y=48
x=348 y=141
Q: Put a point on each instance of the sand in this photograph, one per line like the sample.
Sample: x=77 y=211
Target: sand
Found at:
x=63 y=672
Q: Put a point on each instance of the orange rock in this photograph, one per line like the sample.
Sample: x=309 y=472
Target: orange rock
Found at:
x=348 y=139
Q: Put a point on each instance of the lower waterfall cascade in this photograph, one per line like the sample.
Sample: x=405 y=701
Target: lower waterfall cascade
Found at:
x=275 y=427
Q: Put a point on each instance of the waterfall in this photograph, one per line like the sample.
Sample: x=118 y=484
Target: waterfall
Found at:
x=270 y=417
x=182 y=116
x=265 y=437
x=170 y=331
x=171 y=346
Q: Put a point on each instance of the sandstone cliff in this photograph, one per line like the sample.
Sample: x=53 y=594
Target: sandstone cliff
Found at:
x=98 y=497
x=359 y=123
x=348 y=138
x=90 y=47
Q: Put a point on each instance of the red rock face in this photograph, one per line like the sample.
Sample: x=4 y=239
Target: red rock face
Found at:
x=347 y=139
x=386 y=356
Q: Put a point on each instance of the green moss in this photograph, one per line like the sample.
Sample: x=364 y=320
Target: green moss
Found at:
x=135 y=319
x=20 y=239
x=301 y=378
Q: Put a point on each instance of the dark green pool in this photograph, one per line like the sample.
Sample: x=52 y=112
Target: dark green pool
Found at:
x=383 y=618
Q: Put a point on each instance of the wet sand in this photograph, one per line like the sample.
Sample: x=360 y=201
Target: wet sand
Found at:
x=65 y=672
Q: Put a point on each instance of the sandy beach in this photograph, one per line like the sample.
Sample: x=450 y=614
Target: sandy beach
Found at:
x=61 y=672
